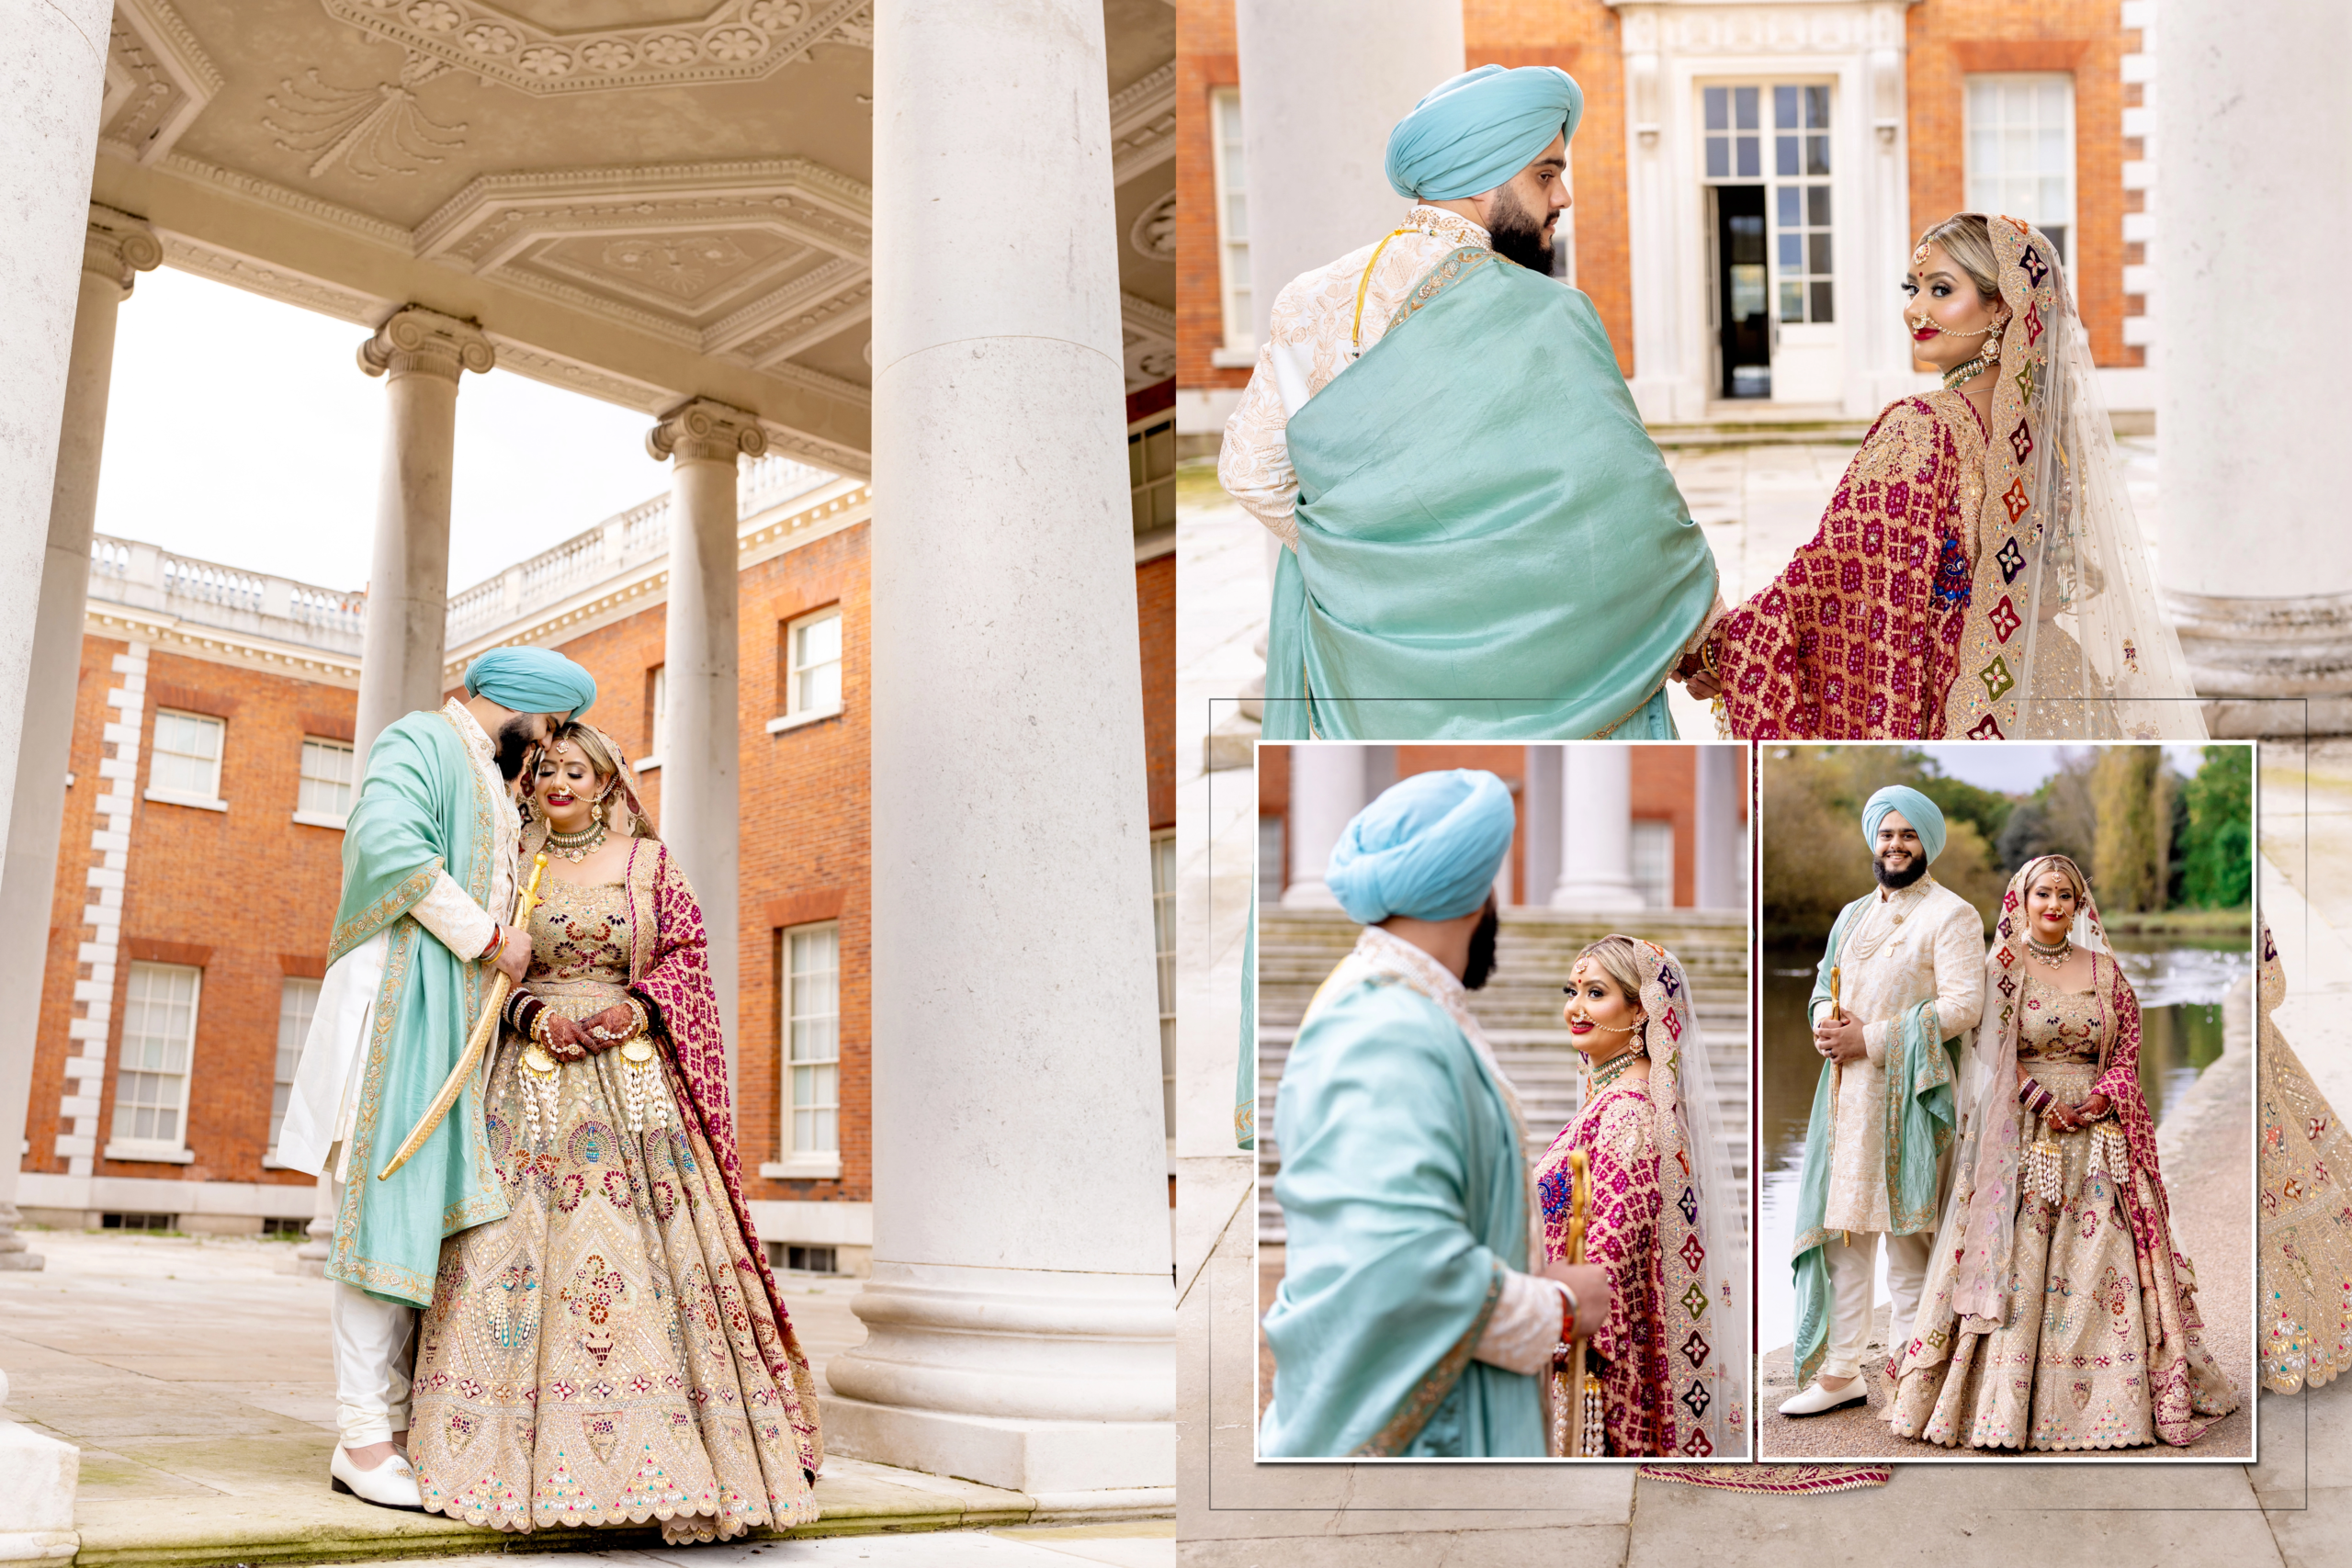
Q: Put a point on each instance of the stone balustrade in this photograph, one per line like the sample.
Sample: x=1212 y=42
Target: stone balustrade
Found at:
x=147 y=577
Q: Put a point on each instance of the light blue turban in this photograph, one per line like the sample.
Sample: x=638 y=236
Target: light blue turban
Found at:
x=1475 y=131
x=1913 y=808
x=532 y=680
x=1429 y=848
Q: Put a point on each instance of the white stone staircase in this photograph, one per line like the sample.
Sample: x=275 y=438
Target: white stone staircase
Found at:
x=1519 y=1010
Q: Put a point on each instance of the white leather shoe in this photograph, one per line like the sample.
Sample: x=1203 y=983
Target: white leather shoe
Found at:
x=1816 y=1399
x=392 y=1484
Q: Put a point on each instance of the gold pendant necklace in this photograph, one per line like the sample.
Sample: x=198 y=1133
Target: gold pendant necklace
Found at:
x=1616 y=1067
x=2054 y=956
x=577 y=847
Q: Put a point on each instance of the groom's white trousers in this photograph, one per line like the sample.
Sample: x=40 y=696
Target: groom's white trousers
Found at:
x=1853 y=1269
x=374 y=1353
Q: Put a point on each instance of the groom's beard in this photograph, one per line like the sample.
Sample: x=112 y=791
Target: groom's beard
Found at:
x=1481 y=965
x=514 y=744
x=1518 y=235
x=1893 y=880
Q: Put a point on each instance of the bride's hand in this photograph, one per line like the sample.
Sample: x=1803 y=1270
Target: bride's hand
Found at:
x=566 y=1041
x=602 y=1032
x=1703 y=686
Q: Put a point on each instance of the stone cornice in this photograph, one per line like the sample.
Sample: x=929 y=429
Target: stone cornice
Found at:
x=702 y=430
x=414 y=340
x=799 y=521
x=1143 y=124
x=269 y=193
x=118 y=247
x=170 y=634
x=821 y=185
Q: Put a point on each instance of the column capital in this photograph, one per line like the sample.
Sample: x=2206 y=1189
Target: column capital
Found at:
x=415 y=339
x=119 y=246
x=702 y=430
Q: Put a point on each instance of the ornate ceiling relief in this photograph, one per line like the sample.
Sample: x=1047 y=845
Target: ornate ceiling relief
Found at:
x=1153 y=233
x=370 y=131
x=1143 y=125
x=1147 y=334
x=734 y=40
x=755 y=261
x=158 y=81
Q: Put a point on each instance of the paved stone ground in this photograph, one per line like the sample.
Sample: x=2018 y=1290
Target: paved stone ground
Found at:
x=192 y=1373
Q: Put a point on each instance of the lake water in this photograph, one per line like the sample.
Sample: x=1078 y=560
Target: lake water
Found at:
x=2180 y=987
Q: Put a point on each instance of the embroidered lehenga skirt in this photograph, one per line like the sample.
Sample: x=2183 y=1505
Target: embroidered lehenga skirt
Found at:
x=2068 y=1367
x=594 y=1358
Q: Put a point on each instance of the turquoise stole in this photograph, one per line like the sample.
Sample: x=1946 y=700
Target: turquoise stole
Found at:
x=1489 y=544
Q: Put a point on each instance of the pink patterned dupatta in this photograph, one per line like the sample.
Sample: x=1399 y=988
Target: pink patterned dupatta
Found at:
x=669 y=968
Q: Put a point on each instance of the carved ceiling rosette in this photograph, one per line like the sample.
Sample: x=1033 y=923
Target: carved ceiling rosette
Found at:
x=734 y=40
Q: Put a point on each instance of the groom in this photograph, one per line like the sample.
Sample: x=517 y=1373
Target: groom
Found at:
x=1901 y=985
x=428 y=881
x=1482 y=541
x=1406 y=1322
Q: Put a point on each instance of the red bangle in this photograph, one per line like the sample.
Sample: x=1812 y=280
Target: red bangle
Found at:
x=497 y=940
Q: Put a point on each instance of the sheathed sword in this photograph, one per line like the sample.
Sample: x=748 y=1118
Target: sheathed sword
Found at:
x=475 y=1042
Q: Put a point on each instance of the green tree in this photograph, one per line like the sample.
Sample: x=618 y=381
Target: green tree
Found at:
x=2133 y=821
x=2218 y=845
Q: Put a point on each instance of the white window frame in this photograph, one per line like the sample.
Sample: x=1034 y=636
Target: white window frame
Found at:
x=1976 y=181
x=661 y=719
x=1151 y=475
x=173 y=1150
x=795 y=715
x=204 y=800
x=1163 y=941
x=1649 y=835
x=798 y=1164
x=289 y=1053
x=315 y=818
x=1238 y=323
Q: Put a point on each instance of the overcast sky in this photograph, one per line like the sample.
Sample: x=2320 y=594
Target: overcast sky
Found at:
x=242 y=431
x=2017 y=769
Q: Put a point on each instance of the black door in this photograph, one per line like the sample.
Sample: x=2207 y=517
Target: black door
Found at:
x=1741 y=288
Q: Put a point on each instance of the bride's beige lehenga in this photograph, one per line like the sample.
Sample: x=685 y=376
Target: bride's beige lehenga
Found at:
x=2068 y=1369
x=597 y=1357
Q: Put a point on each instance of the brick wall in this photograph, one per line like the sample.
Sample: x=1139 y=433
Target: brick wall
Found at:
x=1948 y=39
x=1580 y=37
x=1156 y=626
x=240 y=894
x=1204 y=61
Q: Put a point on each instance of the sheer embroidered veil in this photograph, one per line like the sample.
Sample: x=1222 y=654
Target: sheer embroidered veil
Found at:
x=2064 y=637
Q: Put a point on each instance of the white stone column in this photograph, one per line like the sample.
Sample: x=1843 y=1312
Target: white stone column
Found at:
x=1019 y=1318
x=2256 y=559
x=1596 y=830
x=420 y=353
x=701 y=757
x=1315 y=141
x=1716 y=885
x=1661 y=389
x=117 y=247
x=51 y=82
x=1328 y=787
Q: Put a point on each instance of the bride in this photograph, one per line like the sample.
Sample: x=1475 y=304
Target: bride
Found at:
x=613 y=1350
x=1663 y=1221
x=1979 y=572
x=2060 y=1311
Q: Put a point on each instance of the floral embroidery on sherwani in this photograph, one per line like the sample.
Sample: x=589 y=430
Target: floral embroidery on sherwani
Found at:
x=1620 y=1234
x=1857 y=637
x=1312 y=335
x=613 y=1351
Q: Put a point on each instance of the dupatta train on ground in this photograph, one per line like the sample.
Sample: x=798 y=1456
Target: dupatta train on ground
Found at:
x=1665 y=1221
x=1489 y=544
x=2303 y=1249
x=1969 y=1279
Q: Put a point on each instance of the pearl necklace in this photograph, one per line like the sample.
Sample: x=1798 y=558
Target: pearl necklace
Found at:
x=577 y=847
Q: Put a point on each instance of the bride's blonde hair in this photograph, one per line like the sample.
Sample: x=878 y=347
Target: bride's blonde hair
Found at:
x=1967 y=238
x=1621 y=960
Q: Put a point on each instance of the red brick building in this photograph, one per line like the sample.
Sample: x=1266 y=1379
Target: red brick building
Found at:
x=211 y=764
x=1747 y=182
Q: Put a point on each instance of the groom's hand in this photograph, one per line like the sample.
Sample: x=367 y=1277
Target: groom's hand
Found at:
x=515 y=952
x=1590 y=1283
x=1840 y=1040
